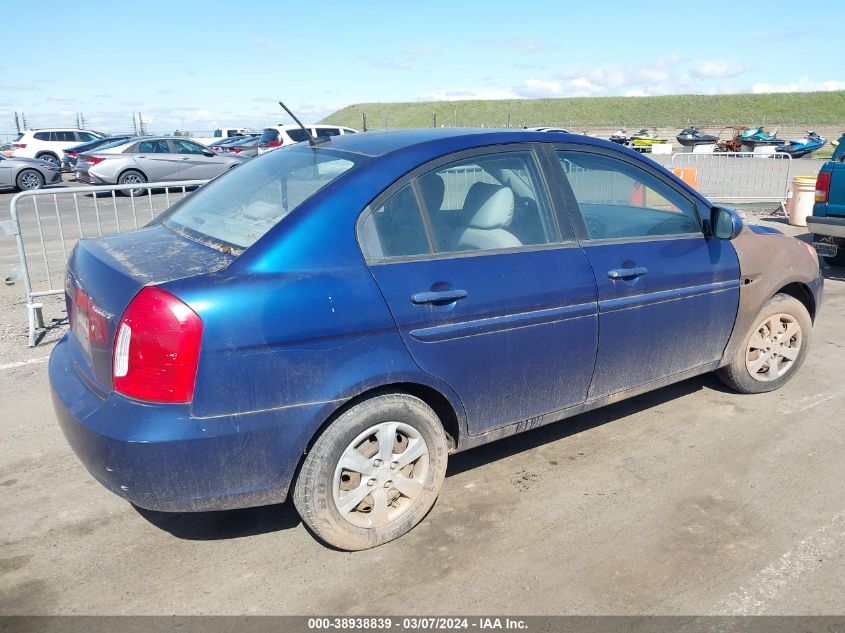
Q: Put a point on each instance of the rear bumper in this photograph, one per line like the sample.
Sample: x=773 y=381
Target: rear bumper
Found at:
x=91 y=179
x=834 y=227
x=158 y=457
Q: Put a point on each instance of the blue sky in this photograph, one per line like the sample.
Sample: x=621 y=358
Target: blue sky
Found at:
x=199 y=65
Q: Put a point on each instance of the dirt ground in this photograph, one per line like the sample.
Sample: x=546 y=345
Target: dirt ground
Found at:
x=687 y=500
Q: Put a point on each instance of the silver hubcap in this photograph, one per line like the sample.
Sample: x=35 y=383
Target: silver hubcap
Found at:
x=132 y=180
x=380 y=474
x=773 y=348
x=30 y=181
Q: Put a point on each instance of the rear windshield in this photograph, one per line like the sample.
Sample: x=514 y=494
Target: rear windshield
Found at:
x=115 y=143
x=238 y=209
x=18 y=137
x=269 y=136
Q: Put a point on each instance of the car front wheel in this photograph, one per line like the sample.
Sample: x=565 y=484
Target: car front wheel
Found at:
x=374 y=473
x=773 y=350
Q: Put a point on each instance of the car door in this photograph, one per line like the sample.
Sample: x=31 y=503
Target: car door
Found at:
x=668 y=295
x=157 y=160
x=194 y=164
x=488 y=295
x=6 y=175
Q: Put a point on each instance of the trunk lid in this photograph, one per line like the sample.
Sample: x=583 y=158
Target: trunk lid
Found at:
x=105 y=274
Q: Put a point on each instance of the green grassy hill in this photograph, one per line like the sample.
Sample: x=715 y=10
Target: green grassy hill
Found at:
x=604 y=112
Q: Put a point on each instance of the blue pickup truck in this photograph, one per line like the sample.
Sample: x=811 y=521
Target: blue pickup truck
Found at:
x=828 y=220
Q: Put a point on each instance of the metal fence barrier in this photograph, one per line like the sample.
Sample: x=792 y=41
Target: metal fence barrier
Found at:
x=739 y=176
x=46 y=232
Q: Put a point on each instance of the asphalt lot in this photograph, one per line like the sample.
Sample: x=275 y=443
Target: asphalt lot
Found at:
x=687 y=500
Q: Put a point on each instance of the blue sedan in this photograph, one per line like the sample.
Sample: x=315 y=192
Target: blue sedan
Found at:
x=330 y=321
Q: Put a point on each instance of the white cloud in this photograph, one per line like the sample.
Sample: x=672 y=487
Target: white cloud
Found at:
x=469 y=94
x=716 y=69
x=802 y=85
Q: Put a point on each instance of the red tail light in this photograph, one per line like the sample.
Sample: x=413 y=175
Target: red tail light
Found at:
x=823 y=186
x=72 y=154
x=18 y=145
x=236 y=150
x=157 y=348
x=274 y=144
x=94 y=159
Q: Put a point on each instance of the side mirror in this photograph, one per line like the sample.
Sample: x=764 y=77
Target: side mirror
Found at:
x=209 y=153
x=725 y=224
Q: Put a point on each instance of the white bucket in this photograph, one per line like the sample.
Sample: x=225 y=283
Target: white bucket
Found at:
x=801 y=198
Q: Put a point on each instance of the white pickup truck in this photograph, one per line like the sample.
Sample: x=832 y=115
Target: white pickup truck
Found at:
x=221 y=133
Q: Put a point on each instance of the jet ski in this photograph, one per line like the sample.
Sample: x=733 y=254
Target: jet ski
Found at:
x=756 y=136
x=645 y=139
x=802 y=146
x=620 y=137
x=691 y=136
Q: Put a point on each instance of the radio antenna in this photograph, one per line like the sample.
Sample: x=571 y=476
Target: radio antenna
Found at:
x=311 y=140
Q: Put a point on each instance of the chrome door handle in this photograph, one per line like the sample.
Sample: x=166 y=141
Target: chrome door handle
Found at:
x=439 y=296
x=627 y=273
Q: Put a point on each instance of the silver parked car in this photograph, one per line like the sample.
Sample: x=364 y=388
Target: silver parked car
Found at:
x=26 y=174
x=152 y=159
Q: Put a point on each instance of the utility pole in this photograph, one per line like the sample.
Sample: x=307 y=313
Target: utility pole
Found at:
x=433 y=119
x=134 y=124
x=364 y=120
x=456 y=116
x=141 y=124
x=24 y=121
x=17 y=122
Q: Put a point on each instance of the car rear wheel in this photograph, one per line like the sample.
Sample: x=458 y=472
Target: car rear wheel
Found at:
x=374 y=473
x=29 y=180
x=50 y=158
x=773 y=350
x=132 y=177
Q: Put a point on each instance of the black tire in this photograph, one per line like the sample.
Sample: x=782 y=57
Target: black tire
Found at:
x=132 y=176
x=314 y=490
x=29 y=180
x=738 y=374
x=52 y=158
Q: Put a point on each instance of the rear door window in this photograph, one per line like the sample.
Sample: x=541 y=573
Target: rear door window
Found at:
x=297 y=135
x=42 y=136
x=491 y=202
x=325 y=132
x=153 y=147
x=395 y=229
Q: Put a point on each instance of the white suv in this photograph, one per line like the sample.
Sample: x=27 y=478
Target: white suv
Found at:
x=49 y=143
x=282 y=135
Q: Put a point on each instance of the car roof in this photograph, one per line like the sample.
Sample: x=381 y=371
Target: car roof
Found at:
x=59 y=129
x=451 y=139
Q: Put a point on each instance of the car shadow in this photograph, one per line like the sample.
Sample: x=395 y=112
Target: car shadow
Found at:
x=515 y=444
x=224 y=524
x=52 y=330
x=232 y=524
